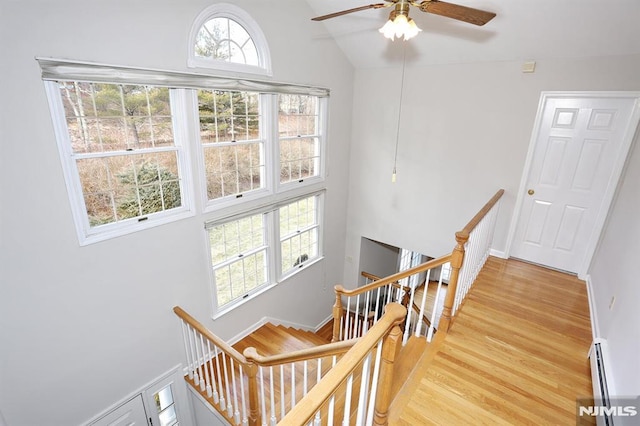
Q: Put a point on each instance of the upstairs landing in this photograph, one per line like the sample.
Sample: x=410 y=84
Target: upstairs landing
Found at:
x=516 y=354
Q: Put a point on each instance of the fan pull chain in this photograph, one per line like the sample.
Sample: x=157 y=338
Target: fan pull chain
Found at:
x=395 y=156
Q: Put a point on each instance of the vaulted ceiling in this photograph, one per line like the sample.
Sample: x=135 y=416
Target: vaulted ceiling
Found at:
x=523 y=30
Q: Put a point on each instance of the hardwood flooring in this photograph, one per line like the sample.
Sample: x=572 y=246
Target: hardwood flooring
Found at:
x=516 y=354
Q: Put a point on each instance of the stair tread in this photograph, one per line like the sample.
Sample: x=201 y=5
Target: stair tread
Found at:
x=308 y=337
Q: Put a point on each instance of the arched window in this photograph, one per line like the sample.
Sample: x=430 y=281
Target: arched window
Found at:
x=224 y=37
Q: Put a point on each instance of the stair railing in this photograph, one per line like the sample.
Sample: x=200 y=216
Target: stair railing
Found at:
x=476 y=238
x=249 y=388
x=221 y=374
x=360 y=383
x=292 y=373
x=355 y=310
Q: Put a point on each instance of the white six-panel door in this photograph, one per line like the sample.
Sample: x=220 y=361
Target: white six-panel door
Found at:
x=575 y=159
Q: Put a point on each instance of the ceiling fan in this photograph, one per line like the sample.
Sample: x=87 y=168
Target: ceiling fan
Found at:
x=401 y=13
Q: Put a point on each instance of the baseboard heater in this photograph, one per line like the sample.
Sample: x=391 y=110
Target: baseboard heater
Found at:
x=599 y=381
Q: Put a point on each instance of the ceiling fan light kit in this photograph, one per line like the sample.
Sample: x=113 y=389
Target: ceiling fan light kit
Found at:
x=399 y=23
x=399 y=26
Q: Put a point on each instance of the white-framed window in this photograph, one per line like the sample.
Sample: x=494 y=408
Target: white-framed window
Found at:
x=128 y=147
x=127 y=166
x=239 y=257
x=255 y=251
x=134 y=153
x=300 y=137
x=299 y=233
x=254 y=145
x=225 y=37
x=233 y=143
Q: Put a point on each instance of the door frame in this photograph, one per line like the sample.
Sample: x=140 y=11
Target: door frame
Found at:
x=618 y=167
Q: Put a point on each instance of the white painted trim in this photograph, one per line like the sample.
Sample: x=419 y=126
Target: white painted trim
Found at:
x=323 y=323
x=276 y=321
x=593 y=312
x=182 y=405
x=609 y=194
x=233 y=12
x=606 y=358
x=498 y=253
x=517 y=210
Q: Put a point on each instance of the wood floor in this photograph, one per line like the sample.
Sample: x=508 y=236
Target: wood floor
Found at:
x=516 y=354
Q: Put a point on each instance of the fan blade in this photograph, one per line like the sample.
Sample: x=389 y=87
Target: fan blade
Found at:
x=455 y=11
x=355 y=9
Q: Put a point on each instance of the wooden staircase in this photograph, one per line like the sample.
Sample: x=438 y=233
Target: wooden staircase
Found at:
x=271 y=339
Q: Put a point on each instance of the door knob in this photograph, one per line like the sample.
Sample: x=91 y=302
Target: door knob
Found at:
x=531 y=192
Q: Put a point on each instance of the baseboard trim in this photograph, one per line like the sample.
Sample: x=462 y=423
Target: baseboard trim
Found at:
x=264 y=320
x=593 y=313
x=498 y=253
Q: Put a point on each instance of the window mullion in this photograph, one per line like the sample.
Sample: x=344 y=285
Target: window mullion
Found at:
x=271 y=154
x=273 y=233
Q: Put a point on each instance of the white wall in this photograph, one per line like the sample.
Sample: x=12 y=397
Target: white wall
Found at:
x=613 y=273
x=377 y=259
x=465 y=130
x=80 y=327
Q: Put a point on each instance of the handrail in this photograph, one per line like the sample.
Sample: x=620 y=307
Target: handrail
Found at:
x=469 y=227
x=209 y=335
x=370 y=276
x=306 y=409
x=329 y=349
x=458 y=258
x=395 y=277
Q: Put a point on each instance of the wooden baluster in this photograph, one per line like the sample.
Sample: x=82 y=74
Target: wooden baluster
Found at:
x=375 y=314
x=236 y=413
x=364 y=390
x=200 y=375
x=227 y=385
x=194 y=357
x=272 y=397
x=432 y=320
x=221 y=400
x=293 y=385
x=243 y=398
x=337 y=314
x=207 y=384
x=374 y=385
x=409 y=305
x=304 y=377
x=263 y=402
x=420 y=320
x=356 y=318
x=390 y=348
x=282 y=409
x=347 y=401
x=332 y=401
x=186 y=349
x=457 y=257
x=252 y=376
x=209 y=370
x=316 y=420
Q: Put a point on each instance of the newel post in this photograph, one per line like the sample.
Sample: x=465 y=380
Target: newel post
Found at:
x=252 y=375
x=457 y=257
x=390 y=348
x=337 y=313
